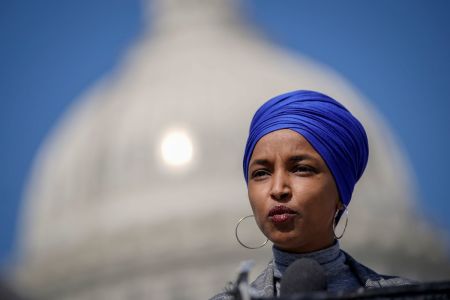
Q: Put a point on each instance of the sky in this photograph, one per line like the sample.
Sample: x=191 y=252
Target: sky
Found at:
x=396 y=53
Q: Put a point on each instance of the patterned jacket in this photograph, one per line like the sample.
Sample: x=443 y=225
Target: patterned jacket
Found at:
x=368 y=278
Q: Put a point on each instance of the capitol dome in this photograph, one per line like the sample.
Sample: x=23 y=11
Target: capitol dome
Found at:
x=108 y=216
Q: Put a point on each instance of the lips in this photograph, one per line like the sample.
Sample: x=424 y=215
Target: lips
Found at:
x=280 y=210
x=280 y=214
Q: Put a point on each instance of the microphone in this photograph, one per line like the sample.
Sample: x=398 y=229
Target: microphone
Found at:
x=305 y=279
x=303 y=275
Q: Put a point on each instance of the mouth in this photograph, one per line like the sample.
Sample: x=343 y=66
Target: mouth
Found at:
x=281 y=214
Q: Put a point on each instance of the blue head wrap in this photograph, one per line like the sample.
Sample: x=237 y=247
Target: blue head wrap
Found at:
x=328 y=126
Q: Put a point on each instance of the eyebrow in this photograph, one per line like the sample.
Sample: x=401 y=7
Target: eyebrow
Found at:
x=263 y=162
x=297 y=158
x=292 y=159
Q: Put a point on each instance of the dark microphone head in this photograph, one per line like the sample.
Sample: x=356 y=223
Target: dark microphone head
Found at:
x=303 y=275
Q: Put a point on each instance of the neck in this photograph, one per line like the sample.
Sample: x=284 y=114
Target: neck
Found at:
x=324 y=257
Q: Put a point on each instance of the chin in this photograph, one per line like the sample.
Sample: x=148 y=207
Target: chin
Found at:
x=286 y=242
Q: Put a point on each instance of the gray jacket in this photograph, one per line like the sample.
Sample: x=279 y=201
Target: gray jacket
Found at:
x=368 y=278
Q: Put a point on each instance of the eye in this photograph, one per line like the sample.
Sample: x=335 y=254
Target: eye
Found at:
x=304 y=170
x=260 y=173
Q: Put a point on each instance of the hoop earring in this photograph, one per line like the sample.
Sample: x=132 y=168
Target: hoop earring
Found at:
x=334 y=223
x=237 y=236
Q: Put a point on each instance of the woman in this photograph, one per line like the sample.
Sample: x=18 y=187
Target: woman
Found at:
x=304 y=154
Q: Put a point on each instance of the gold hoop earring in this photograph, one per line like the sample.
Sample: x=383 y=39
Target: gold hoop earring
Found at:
x=237 y=236
x=334 y=223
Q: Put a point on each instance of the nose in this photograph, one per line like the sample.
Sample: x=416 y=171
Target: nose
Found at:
x=281 y=189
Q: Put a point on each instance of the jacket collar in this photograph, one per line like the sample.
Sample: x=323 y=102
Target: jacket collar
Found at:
x=264 y=284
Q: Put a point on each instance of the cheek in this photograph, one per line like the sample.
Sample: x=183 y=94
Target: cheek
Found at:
x=257 y=202
x=331 y=193
x=319 y=198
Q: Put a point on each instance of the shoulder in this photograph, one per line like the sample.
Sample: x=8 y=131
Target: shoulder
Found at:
x=228 y=292
x=222 y=296
x=262 y=286
x=371 y=279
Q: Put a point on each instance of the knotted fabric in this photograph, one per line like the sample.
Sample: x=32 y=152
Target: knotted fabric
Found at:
x=327 y=125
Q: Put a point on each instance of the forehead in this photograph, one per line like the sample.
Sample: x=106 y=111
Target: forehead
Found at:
x=283 y=142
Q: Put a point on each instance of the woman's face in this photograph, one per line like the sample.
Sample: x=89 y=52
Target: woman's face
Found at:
x=292 y=192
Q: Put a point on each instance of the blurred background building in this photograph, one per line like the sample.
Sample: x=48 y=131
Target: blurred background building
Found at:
x=135 y=189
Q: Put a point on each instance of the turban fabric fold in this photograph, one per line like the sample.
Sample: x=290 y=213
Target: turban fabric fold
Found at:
x=327 y=125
